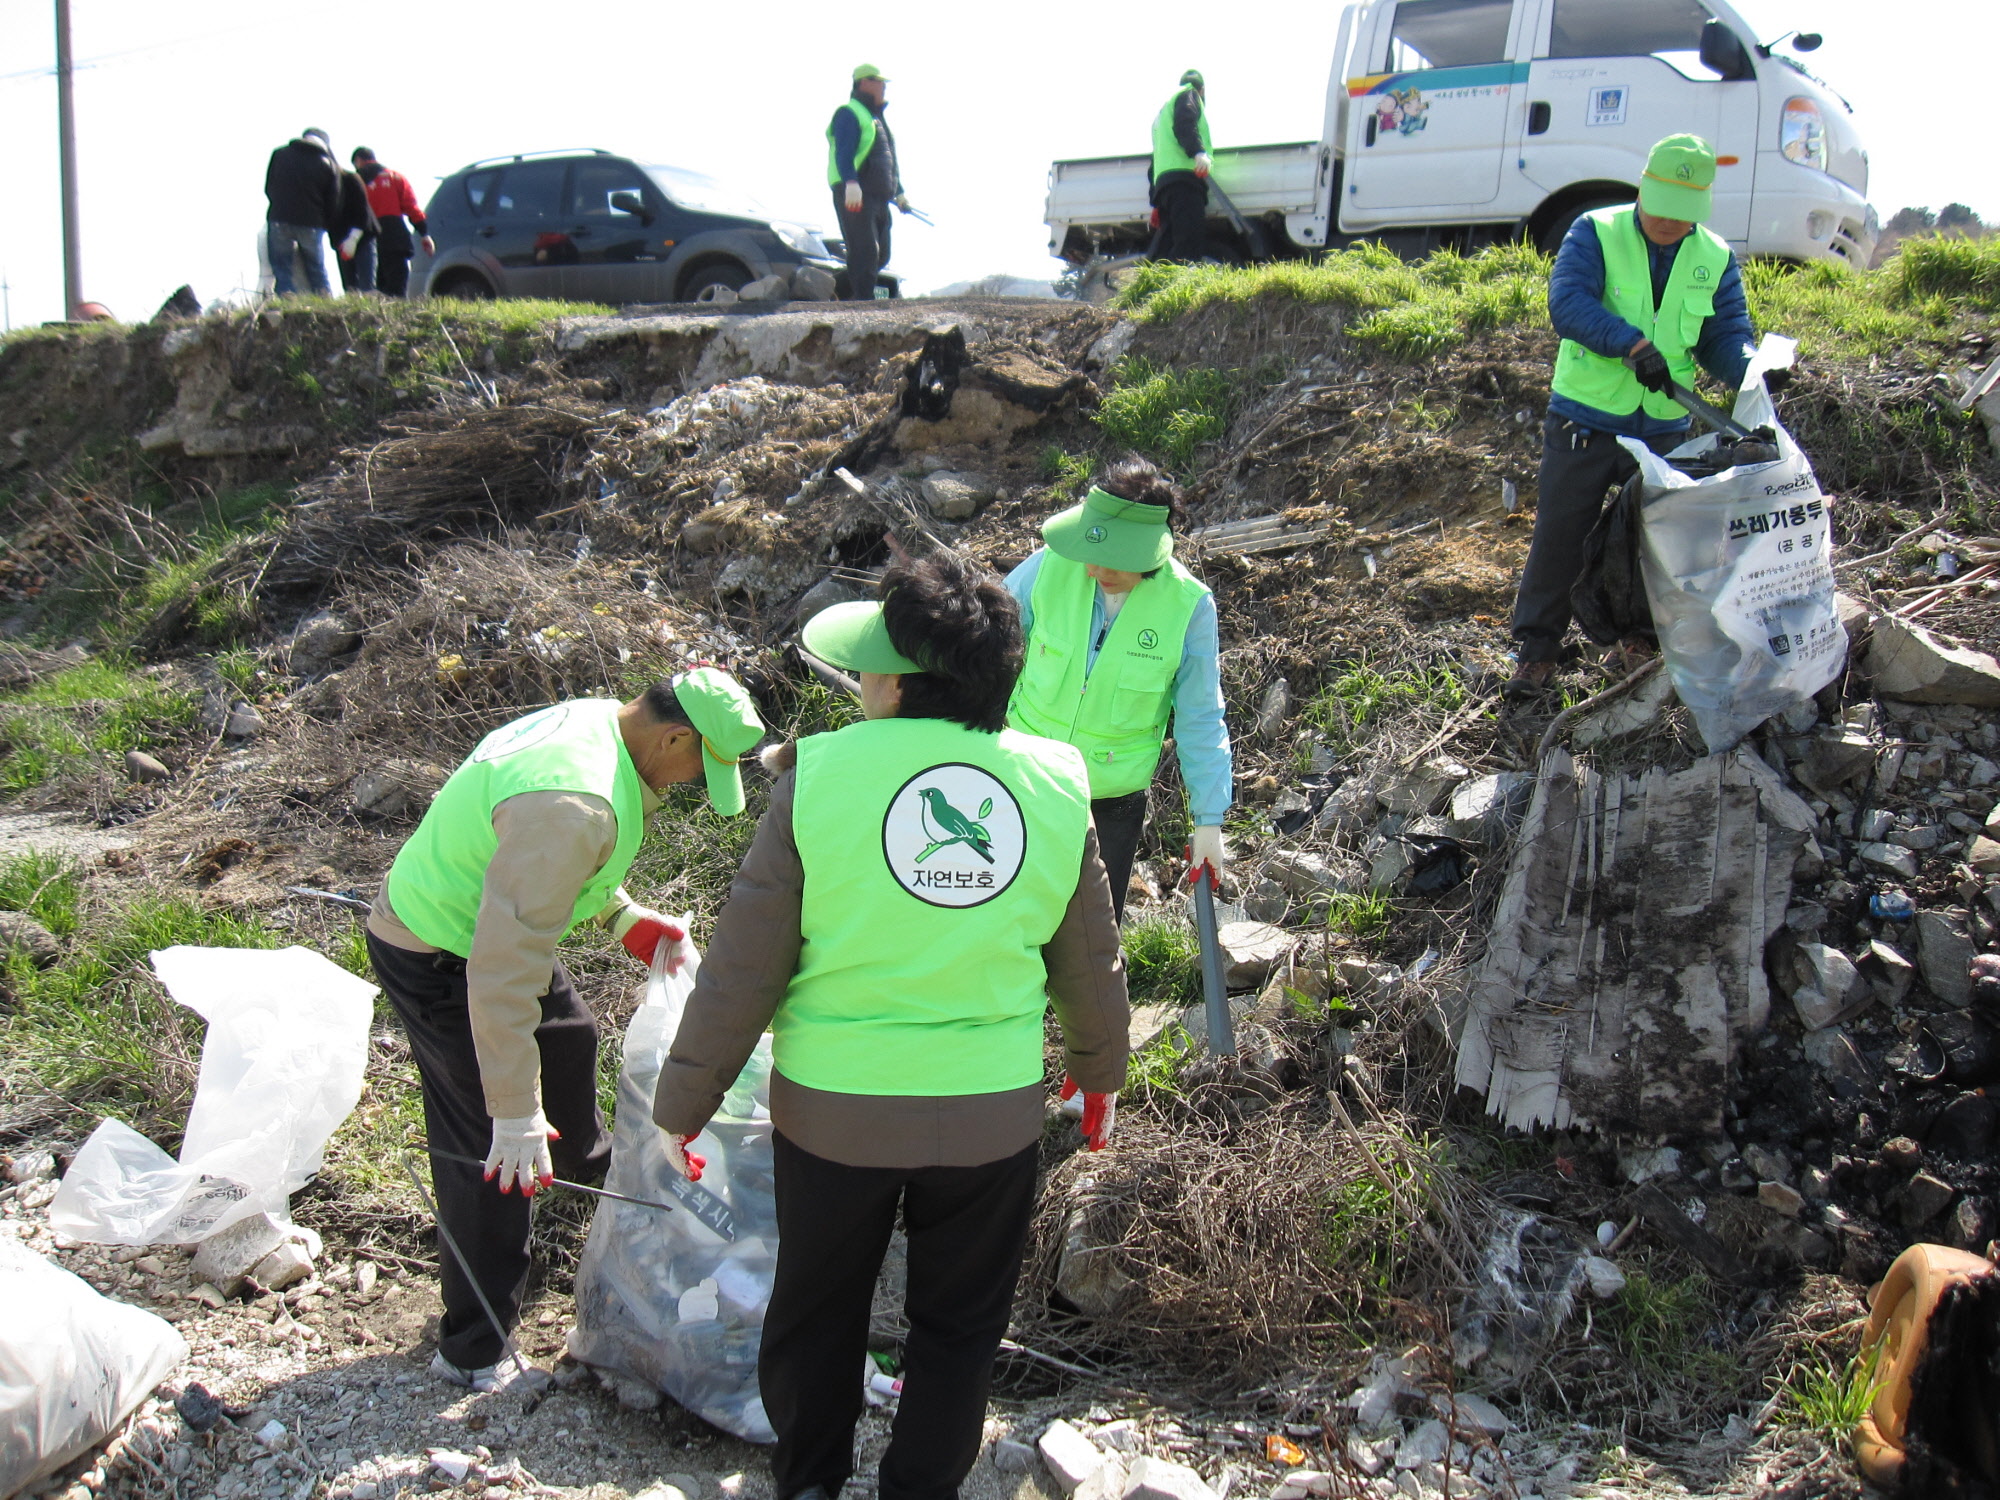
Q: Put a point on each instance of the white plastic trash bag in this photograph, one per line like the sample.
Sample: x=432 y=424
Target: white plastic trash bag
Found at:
x=1739 y=573
x=677 y=1299
x=73 y=1364
x=280 y=1069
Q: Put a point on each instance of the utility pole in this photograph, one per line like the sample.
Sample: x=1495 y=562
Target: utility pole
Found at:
x=66 y=145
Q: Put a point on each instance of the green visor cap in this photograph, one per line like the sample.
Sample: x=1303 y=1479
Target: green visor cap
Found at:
x=869 y=70
x=726 y=719
x=856 y=637
x=1679 y=173
x=1113 y=533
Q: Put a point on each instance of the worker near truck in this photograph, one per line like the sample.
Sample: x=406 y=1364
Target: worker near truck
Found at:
x=861 y=168
x=530 y=838
x=1179 y=172
x=1641 y=294
x=398 y=212
x=1122 y=639
x=924 y=884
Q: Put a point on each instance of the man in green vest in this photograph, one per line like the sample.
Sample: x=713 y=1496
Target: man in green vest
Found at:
x=530 y=838
x=1641 y=295
x=924 y=884
x=1179 y=172
x=1122 y=639
x=862 y=171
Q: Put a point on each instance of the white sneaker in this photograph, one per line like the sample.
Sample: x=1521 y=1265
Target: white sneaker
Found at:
x=486 y=1378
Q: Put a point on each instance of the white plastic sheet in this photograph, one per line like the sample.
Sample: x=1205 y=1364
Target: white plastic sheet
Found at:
x=73 y=1364
x=677 y=1299
x=1739 y=573
x=280 y=1069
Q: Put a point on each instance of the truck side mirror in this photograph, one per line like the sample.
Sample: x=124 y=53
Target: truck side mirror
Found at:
x=1807 y=41
x=631 y=203
x=1723 y=53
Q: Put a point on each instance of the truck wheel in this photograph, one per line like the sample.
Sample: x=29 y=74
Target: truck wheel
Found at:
x=1550 y=240
x=723 y=273
x=467 y=286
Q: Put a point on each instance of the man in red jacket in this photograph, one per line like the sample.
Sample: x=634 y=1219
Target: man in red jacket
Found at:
x=394 y=202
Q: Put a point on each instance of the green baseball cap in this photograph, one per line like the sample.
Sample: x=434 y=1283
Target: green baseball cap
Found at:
x=1193 y=76
x=855 y=636
x=1113 y=533
x=1679 y=173
x=869 y=70
x=726 y=719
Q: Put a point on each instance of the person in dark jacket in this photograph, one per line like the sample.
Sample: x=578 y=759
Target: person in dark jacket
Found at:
x=354 y=234
x=1179 y=171
x=1641 y=294
x=398 y=212
x=302 y=194
x=861 y=170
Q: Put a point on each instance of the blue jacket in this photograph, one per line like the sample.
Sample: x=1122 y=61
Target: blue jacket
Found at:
x=1576 y=308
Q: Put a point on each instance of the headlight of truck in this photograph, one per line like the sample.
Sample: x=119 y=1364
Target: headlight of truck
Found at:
x=797 y=237
x=1802 y=133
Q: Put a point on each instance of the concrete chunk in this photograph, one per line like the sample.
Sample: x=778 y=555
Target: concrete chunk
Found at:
x=1944 y=955
x=1910 y=663
x=1069 y=1456
x=285 y=1266
x=1162 y=1479
x=226 y=1260
x=1894 y=858
x=1250 y=950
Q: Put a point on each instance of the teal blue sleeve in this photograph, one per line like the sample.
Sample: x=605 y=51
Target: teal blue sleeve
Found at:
x=1201 y=739
x=1021 y=584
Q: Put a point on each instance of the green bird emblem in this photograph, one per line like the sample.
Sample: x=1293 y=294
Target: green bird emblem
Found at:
x=945 y=825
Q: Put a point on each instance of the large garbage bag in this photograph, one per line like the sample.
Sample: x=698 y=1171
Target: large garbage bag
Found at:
x=281 y=1067
x=73 y=1364
x=677 y=1299
x=1739 y=571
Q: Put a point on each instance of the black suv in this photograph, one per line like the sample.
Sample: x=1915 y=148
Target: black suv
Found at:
x=587 y=226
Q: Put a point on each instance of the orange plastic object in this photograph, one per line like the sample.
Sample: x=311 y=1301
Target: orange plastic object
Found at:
x=1899 y=1326
x=1282 y=1450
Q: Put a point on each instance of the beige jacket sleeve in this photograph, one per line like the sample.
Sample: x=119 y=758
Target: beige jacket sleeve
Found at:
x=1087 y=980
x=551 y=843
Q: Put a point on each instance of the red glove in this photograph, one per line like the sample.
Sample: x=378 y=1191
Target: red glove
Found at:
x=680 y=1158
x=1099 y=1111
x=641 y=930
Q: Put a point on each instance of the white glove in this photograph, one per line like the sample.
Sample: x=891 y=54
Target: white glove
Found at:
x=1205 y=848
x=430 y=245
x=853 y=198
x=520 y=1154
x=680 y=1158
x=348 y=245
x=903 y=202
x=1201 y=164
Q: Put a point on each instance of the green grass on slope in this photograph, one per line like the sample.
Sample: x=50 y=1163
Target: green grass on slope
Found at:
x=1917 y=305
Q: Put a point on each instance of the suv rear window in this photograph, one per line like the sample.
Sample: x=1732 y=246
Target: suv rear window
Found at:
x=530 y=190
x=479 y=190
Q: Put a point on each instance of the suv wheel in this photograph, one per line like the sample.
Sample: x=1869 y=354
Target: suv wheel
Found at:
x=467 y=286
x=723 y=273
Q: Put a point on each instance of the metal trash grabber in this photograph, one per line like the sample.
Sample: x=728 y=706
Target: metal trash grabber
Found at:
x=1221 y=1034
x=561 y=1182
x=507 y=1347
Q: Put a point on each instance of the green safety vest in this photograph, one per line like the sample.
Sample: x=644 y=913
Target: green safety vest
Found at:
x=439 y=874
x=938 y=863
x=1116 y=713
x=1167 y=153
x=862 y=147
x=1675 y=328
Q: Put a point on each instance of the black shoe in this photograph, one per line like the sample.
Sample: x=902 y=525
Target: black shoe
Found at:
x=1530 y=680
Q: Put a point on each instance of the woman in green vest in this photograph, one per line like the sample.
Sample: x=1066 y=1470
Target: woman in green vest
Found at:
x=924 y=884
x=1122 y=639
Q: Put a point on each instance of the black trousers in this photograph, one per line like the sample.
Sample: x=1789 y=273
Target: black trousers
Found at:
x=867 y=237
x=1182 y=199
x=967 y=1228
x=392 y=273
x=1119 y=822
x=491 y=1227
x=1580 y=467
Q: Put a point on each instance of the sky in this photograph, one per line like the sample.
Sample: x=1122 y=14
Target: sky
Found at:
x=179 y=106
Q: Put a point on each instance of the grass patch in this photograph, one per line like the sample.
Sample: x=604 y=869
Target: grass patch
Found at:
x=1167 y=414
x=1361 y=694
x=1156 y=1067
x=1667 y=1330
x=66 y=722
x=1832 y=1402
x=46 y=887
x=96 y=1028
x=1162 y=961
x=1358 y=914
x=1065 y=474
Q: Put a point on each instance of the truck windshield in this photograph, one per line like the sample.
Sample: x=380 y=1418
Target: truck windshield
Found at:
x=1447 y=34
x=1667 y=29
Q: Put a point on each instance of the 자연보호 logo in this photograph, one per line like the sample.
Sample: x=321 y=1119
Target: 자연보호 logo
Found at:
x=954 y=836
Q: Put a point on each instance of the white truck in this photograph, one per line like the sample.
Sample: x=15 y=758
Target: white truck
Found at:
x=1469 y=122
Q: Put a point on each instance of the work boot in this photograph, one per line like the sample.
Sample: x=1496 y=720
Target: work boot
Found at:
x=1629 y=655
x=1530 y=679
